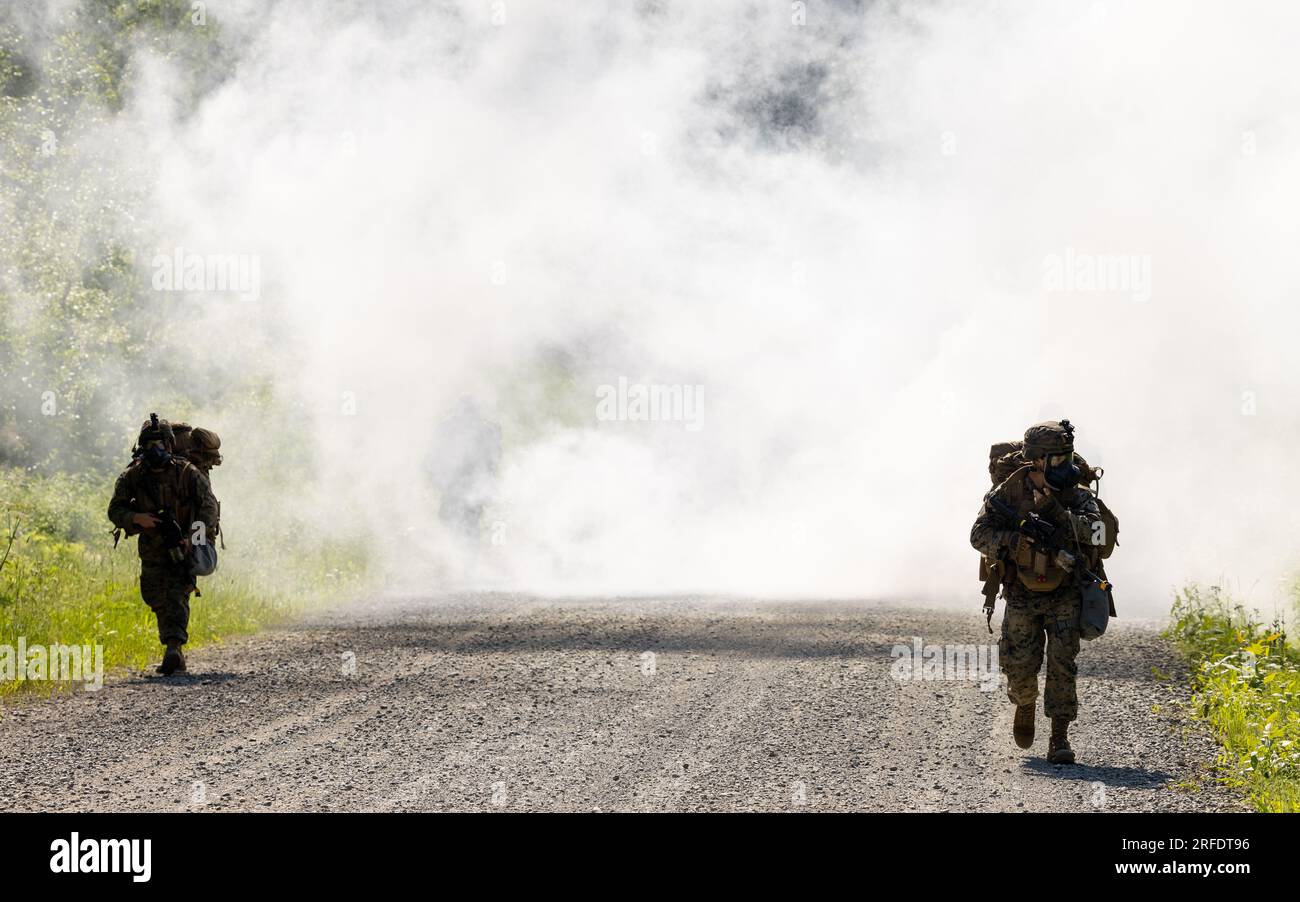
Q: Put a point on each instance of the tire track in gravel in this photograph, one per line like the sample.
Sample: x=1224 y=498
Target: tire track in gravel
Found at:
x=497 y=702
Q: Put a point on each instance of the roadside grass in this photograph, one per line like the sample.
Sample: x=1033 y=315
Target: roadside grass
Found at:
x=62 y=582
x=1246 y=680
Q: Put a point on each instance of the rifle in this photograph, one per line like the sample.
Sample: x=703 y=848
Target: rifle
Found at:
x=172 y=535
x=1094 y=591
x=1043 y=532
x=992 y=570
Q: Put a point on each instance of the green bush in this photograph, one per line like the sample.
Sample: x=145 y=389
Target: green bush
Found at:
x=1246 y=679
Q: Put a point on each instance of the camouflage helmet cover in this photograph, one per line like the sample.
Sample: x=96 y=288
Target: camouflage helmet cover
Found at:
x=1050 y=437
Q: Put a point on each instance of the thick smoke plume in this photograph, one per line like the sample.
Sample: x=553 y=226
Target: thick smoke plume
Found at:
x=876 y=237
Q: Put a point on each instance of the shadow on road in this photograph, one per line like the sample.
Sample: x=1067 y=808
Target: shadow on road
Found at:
x=1108 y=776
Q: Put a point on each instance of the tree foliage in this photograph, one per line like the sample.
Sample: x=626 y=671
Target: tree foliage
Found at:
x=84 y=343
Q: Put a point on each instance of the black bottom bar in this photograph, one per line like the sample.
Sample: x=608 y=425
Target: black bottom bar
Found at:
x=326 y=851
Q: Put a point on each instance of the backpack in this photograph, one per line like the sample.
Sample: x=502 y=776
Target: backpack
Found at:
x=201 y=447
x=1006 y=457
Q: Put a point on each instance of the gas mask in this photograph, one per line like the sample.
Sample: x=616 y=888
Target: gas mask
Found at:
x=155 y=455
x=1061 y=473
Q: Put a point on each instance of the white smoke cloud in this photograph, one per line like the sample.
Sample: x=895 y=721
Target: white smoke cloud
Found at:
x=839 y=229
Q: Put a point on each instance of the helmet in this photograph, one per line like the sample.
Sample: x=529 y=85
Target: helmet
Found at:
x=1052 y=437
x=154 y=429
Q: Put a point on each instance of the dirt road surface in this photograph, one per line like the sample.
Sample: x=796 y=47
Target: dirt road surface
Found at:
x=483 y=703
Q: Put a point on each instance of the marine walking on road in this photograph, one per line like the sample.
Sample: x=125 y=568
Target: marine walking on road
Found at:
x=1044 y=537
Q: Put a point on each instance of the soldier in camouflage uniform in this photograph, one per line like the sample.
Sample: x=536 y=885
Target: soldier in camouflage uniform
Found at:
x=157 y=482
x=1041 y=587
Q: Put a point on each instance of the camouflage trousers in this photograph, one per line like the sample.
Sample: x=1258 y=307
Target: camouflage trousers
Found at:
x=1026 y=626
x=167 y=592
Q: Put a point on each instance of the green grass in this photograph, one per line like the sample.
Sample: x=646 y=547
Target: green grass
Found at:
x=1246 y=680
x=63 y=582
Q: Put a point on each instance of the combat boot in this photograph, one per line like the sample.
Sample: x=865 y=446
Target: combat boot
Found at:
x=1023 y=728
x=173 y=660
x=1058 y=747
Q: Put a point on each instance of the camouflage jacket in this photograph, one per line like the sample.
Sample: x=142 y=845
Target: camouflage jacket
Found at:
x=180 y=490
x=1031 y=571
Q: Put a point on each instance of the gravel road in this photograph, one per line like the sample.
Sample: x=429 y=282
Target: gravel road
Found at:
x=482 y=703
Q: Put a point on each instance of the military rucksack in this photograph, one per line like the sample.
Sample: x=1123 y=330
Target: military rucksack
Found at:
x=201 y=447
